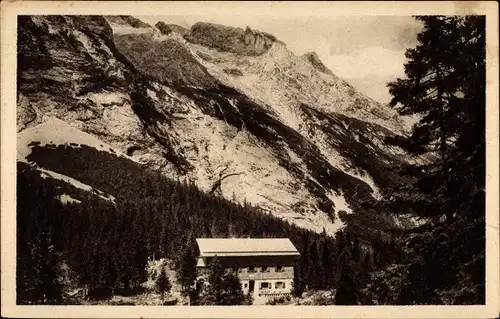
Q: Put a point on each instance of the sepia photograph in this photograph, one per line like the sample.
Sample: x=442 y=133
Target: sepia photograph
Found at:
x=186 y=159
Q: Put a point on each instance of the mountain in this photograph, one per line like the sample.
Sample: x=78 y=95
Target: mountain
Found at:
x=160 y=134
x=230 y=109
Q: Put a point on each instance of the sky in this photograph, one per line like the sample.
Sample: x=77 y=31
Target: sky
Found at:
x=366 y=51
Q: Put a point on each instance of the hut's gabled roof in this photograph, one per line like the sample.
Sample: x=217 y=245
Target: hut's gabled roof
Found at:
x=210 y=247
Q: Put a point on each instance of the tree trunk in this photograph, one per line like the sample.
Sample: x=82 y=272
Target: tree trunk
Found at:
x=443 y=137
x=442 y=121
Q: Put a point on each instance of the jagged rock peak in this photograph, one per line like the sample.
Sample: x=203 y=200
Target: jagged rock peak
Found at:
x=231 y=39
x=314 y=59
x=127 y=21
x=167 y=28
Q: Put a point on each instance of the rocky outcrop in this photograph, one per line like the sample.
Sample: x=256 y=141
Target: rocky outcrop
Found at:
x=163 y=27
x=166 y=28
x=168 y=61
x=313 y=58
x=61 y=59
x=128 y=20
x=232 y=71
x=230 y=39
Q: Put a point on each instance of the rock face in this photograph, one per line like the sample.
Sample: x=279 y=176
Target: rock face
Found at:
x=167 y=61
x=70 y=69
x=163 y=27
x=128 y=20
x=316 y=62
x=230 y=39
x=230 y=109
x=168 y=28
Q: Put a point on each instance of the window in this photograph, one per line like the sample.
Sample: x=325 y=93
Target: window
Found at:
x=265 y=269
x=279 y=285
x=251 y=269
x=280 y=268
x=265 y=285
x=246 y=285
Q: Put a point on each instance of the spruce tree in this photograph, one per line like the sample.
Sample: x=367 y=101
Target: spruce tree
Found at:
x=186 y=272
x=232 y=293
x=46 y=288
x=445 y=86
x=356 y=250
x=164 y=252
x=163 y=284
x=346 y=289
x=346 y=286
x=313 y=270
x=368 y=261
x=298 y=280
x=215 y=280
x=326 y=260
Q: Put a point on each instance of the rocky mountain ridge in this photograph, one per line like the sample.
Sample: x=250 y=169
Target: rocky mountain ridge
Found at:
x=239 y=114
x=231 y=39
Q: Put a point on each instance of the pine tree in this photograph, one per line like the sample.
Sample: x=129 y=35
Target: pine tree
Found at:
x=340 y=242
x=298 y=280
x=215 y=280
x=326 y=260
x=163 y=284
x=347 y=285
x=45 y=288
x=313 y=270
x=164 y=240
x=186 y=272
x=232 y=293
x=346 y=289
x=343 y=250
x=368 y=262
x=356 y=250
x=379 y=251
x=445 y=87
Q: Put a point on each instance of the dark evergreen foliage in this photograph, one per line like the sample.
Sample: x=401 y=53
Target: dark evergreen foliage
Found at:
x=224 y=287
x=346 y=290
x=232 y=293
x=186 y=265
x=108 y=243
x=444 y=85
x=215 y=280
x=163 y=284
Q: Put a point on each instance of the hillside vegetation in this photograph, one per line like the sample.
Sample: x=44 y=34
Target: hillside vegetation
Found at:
x=107 y=244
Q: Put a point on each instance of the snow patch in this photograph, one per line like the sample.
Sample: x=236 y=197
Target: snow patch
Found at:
x=57 y=132
x=67 y=199
x=80 y=36
x=106 y=97
x=124 y=29
x=340 y=203
x=45 y=173
x=152 y=94
x=294 y=158
x=408 y=221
